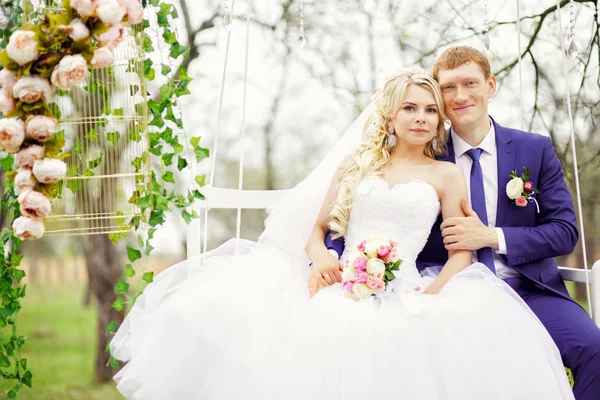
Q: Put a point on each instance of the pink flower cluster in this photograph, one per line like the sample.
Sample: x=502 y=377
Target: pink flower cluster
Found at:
x=369 y=268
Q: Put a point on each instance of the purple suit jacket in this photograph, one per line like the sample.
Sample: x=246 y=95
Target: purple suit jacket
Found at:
x=532 y=239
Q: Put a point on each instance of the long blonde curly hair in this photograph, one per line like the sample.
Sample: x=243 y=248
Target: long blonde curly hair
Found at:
x=372 y=155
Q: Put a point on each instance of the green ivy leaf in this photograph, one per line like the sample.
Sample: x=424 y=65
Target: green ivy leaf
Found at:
x=200 y=152
x=95 y=163
x=88 y=172
x=7 y=163
x=92 y=135
x=148 y=70
x=200 y=179
x=27 y=378
x=118 y=112
x=168 y=158
x=165 y=69
x=148 y=277
x=118 y=304
x=4 y=361
x=113 y=137
x=77 y=148
x=149 y=248
x=133 y=254
x=181 y=163
x=129 y=271
x=18 y=275
x=113 y=362
x=15 y=259
x=148 y=48
x=134 y=134
x=187 y=217
x=168 y=177
x=121 y=286
x=156 y=218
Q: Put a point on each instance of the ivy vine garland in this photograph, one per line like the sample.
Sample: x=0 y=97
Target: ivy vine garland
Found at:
x=55 y=54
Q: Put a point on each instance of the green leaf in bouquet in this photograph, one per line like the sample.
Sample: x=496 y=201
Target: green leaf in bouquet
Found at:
x=389 y=276
x=396 y=265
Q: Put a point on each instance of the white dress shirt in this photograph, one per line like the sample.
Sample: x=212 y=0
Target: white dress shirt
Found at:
x=489 y=167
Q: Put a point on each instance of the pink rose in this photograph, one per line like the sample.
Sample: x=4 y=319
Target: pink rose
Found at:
x=135 y=12
x=372 y=283
x=49 y=170
x=34 y=204
x=30 y=89
x=379 y=276
x=112 y=37
x=26 y=157
x=24 y=180
x=71 y=71
x=7 y=80
x=111 y=12
x=360 y=263
x=40 y=127
x=12 y=134
x=348 y=286
x=521 y=201
x=380 y=285
x=528 y=186
x=28 y=228
x=103 y=57
x=361 y=276
x=85 y=8
x=23 y=47
x=384 y=251
x=393 y=256
x=361 y=246
x=7 y=102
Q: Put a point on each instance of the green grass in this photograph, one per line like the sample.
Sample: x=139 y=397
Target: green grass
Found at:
x=61 y=345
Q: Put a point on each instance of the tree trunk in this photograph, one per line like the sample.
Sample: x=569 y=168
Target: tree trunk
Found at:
x=104 y=270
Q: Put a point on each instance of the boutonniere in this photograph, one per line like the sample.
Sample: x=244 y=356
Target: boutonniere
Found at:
x=520 y=189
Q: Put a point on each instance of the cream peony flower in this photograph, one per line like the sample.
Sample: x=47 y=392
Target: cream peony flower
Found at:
x=78 y=30
x=85 y=8
x=34 y=204
x=111 y=12
x=71 y=71
x=12 y=134
x=7 y=80
x=361 y=291
x=375 y=266
x=30 y=89
x=135 y=11
x=49 y=170
x=28 y=228
x=24 y=179
x=111 y=38
x=373 y=245
x=348 y=274
x=23 y=47
x=102 y=57
x=514 y=187
x=7 y=102
x=40 y=127
x=27 y=156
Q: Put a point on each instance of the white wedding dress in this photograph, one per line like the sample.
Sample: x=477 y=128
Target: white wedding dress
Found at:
x=244 y=327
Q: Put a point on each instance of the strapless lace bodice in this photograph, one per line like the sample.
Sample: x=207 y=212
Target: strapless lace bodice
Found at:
x=404 y=213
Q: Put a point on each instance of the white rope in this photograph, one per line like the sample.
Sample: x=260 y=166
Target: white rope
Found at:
x=574 y=152
x=520 y=71
x=241 y=170
x=215 y=148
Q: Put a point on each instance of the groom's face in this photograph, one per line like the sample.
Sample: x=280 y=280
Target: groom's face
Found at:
x=466 y=92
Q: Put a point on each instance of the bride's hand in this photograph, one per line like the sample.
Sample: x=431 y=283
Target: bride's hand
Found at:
x=313 y=284
x=328 y=270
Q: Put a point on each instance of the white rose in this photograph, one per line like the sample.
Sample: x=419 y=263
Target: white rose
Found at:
x=102 y=57
x=514 y=187
x=85 y=8
x=348 y=274
x=49 y=170
x=28 y=228
x=79 y=30
x=30 y=89
x=23 y=47
x=111 y=12
x=7 y=80
x=361 y=291
x=135 y=11
x=12 y=134
x=372 y=246
x=111 y=38
x=71 y=71
x=7 y=102
x=24 y=180
x=375 y=266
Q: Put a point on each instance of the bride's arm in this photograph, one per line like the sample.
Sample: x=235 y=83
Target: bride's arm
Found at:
x=452 y=190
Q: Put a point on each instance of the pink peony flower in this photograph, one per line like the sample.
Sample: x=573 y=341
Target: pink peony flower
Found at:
x=28 y=228
x=23 y=47
x=12 y=134
x=361 y=245
x=7 y=102
x=40 y=127
x=349 y=286
x=34 y=204
x=379 y=276
x=27 y=156
x=384 y=251
x=361 y=276
x=71 y=71
x=372 y=283
x=24 y=180
x=360 y=263
x=521 y=201
x=49 y=170
x=135 y=11
x=30 y=89
x=111 y=12
x=112 y=37
x=103 y=57
x=7 y=80
x=85 y=8
x=380 y=285
x=528 y=186
x=79 y=30
x=393 y=256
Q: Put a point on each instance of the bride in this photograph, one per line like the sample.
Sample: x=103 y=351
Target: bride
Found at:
x=239 y=322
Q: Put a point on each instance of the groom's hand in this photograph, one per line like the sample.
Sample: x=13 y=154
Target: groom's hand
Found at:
x=467 y=233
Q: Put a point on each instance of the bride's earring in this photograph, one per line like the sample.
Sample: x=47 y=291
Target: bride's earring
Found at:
x=434 y=142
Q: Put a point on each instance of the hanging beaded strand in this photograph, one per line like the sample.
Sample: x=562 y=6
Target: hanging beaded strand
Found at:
x=301 y=37
x=572 y=50
x=226 y=16
x=486 y=28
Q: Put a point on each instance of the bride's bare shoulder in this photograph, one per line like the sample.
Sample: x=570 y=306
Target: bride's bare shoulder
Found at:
x=448 y=174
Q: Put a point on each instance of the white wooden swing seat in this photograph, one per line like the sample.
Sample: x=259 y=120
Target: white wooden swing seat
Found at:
x=218 y=198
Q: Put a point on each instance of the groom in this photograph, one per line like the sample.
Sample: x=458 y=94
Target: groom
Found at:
x=513 y=238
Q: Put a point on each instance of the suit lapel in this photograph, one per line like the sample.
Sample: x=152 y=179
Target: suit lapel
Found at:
x=449 y=153
x=506 y=164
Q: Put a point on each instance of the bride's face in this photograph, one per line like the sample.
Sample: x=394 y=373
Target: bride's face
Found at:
x=417 y=119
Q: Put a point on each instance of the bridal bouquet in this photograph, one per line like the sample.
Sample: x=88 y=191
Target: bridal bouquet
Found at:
x=370 y=268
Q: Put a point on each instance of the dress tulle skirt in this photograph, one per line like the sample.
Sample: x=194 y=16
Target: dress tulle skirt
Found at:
x=244 y=328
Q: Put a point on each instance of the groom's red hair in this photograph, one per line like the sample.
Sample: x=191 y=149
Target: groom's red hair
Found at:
x=456 y=56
